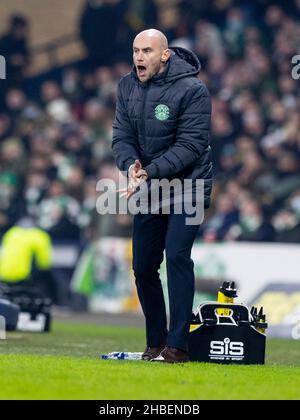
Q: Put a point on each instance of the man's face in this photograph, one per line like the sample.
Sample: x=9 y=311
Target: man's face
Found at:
x=20 y=32
x=147 y=57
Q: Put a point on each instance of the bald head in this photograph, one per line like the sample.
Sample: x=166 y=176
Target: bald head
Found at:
x=153 y=35
x=150 y=53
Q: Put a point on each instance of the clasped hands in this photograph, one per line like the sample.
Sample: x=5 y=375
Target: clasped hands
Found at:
x=136 y=176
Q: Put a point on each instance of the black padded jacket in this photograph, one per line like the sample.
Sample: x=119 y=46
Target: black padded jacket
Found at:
x=165 y=122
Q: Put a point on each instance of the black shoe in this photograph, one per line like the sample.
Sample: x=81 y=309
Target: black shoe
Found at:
x=152 y=352
x=172 y=355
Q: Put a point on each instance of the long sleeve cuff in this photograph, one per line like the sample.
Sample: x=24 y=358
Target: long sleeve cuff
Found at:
x=128 y=163
x=152 y=170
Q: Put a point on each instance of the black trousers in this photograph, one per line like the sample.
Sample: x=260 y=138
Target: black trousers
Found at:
x=152 y=234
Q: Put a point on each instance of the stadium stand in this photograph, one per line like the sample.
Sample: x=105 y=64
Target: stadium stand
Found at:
x=55 y=128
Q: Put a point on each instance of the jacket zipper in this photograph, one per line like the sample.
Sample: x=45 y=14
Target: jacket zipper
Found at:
x=146 y=89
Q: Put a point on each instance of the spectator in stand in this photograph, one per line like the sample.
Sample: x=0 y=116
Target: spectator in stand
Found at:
x=224 y=217
x=14 y=47
x=252 y=225
x=58 y=214
x=287 y=226
x=99 y=25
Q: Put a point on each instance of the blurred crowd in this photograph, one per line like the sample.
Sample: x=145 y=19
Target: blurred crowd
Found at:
x=54 y=148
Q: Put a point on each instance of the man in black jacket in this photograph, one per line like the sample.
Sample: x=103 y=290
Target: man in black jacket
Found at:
x=161 y=130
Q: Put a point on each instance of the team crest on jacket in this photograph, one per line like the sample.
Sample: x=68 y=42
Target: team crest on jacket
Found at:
x=162 y=112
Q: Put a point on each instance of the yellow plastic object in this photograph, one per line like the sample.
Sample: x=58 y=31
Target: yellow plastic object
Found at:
x=224 y=299
x=19 y=247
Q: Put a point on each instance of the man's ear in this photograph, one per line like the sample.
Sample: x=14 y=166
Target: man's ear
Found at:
x=165 y=55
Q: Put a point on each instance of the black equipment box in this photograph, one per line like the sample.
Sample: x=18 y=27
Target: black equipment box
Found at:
x=34 y=310
x=35 y=314
x=226 y=333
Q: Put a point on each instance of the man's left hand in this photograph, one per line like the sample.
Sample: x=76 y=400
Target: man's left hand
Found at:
x=141 y=173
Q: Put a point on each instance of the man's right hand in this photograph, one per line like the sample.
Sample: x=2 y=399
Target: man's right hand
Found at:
x=134 y=174
x=134 y=168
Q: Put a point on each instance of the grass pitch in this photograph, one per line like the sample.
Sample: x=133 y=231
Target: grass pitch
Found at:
x=65 y=364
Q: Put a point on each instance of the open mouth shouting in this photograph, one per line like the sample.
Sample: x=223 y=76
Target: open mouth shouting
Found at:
x=141 y=71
